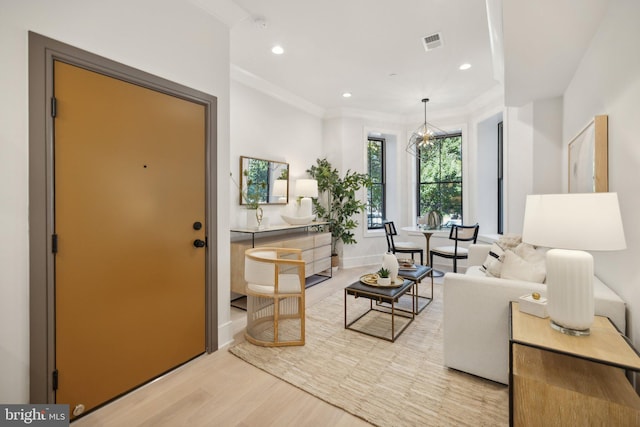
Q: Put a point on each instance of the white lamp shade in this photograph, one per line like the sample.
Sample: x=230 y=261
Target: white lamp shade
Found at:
x=585 y=221
x=306 y=188
x=280 y=187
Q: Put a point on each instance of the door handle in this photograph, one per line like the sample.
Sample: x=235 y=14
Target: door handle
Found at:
x=199 y=243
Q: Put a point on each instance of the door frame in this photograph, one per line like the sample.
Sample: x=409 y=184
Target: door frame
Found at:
x=42 y=52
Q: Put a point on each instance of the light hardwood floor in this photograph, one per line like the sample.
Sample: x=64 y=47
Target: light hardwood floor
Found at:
x=221 y=390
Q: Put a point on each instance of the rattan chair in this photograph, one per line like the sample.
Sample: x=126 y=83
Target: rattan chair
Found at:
x=400 y=247
x=275 y=296
x=458 y=233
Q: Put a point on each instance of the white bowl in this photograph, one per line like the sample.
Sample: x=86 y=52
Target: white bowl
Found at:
x=298 y=220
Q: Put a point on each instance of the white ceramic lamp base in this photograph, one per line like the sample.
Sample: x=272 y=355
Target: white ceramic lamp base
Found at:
x=306 y=207
x=570 y=291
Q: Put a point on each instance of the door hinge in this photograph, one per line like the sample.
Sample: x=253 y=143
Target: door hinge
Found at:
x=54 y=243
x=54 y=106
x=54 y=379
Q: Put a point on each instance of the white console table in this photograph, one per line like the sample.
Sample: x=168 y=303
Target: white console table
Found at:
x=315 y=245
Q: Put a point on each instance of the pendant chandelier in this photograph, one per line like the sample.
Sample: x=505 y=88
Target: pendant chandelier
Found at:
x=424 y=136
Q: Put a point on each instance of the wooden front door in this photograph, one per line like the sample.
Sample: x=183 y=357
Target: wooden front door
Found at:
x=129 y=203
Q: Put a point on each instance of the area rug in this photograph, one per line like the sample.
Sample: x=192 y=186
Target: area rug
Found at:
x=387 y=384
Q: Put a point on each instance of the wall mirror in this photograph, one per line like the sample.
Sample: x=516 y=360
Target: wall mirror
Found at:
x=263 y=182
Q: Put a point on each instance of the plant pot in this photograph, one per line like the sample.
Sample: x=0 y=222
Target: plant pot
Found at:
x=384 y=281
x=335 y=261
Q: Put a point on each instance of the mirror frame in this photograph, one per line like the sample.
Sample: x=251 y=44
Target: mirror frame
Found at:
x=274 y=170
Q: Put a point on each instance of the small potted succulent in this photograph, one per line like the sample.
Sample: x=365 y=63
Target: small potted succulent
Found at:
x=383 y=277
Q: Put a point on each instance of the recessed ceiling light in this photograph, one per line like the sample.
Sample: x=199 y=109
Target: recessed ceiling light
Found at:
x=465 y=66
x=346 y=95
x=278 y=50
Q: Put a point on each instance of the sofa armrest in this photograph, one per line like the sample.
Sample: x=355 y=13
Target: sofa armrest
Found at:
x=476 y=323
x=607 y=303
x=478 y=253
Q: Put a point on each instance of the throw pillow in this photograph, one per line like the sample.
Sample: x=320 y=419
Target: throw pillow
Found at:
x=529 y=253
x=509 y=241
x=493 y=263
x=533 y=255
x=515 y=267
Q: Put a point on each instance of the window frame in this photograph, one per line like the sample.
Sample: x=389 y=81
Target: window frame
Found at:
x=382 y=184
x=419 y=183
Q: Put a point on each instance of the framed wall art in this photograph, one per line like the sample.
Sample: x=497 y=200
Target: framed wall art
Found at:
x=588 y=158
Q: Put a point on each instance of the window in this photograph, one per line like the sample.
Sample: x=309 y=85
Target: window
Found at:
x=439 y=180
x=376 y=193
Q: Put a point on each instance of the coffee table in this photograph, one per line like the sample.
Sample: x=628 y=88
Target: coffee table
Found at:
x=377 y=294
x=416 y=275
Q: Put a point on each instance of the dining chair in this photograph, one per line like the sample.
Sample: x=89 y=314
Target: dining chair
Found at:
x=401 y=247
x=458 y=233
x=275 y=296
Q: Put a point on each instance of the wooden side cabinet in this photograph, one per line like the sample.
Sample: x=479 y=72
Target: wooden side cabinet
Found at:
x=315 y=246
x=561 y=380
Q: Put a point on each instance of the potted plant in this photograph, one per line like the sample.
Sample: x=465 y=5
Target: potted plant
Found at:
x=383 y=277
x=337 y=202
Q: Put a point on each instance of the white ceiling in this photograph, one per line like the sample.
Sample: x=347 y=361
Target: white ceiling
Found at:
x=374 y=49
x=544 y=42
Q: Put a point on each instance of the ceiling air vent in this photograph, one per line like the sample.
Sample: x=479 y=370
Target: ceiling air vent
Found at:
x=432 y=41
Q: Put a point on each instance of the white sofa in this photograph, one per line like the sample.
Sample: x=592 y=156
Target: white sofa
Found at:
x=476 y=316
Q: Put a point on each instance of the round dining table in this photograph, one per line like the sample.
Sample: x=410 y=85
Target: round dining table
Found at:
x=428 y=232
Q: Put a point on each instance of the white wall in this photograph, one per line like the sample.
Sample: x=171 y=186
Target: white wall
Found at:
x=548 y=146
x=532 y=156
x=267 y=128
x=608 y=82
x=168 y=38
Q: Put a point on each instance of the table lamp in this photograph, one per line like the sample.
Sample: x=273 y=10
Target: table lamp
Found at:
x=306 y=188
x=280 y=190
x=571 y=224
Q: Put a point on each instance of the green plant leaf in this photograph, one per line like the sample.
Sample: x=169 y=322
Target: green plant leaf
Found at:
x=337 y=202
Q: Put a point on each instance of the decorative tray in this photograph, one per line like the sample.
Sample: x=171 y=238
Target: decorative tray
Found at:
x=372 y=280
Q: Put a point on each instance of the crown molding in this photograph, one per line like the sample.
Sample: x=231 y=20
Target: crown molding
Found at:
x=241 y=75
x=355 y=113
x=491 y=97
x=225 y=11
